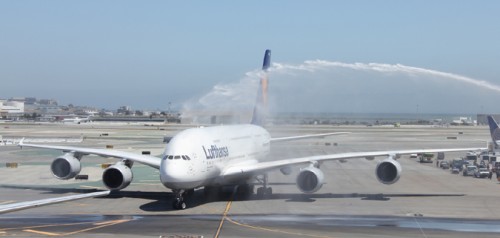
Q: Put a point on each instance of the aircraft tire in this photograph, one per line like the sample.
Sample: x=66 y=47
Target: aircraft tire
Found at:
x=179 y=204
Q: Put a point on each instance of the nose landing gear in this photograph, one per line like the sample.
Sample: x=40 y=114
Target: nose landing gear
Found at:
x=179 y=202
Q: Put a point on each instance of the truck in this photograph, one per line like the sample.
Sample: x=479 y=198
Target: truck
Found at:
x=471 y=157
x=425 y=157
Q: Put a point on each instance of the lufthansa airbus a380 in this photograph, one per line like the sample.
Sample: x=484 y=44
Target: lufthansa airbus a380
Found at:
x=211 y=157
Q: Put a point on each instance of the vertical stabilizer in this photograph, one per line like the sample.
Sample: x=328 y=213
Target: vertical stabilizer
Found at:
x=494 y=130
x=260 y=109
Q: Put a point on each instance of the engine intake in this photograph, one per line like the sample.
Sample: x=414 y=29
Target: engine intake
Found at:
x=310 y=179
x=388 y=171
x=65 y=167
x=117 y=176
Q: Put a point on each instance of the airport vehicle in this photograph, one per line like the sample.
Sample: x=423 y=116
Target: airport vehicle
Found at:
x=455 y=170
x=496 y=166
x=481 y=173
x=210 y=157
x=457 y=163
x=440 y=156
x=425 y=157
x=469 y=170
x=444 y=165
x=471 y=157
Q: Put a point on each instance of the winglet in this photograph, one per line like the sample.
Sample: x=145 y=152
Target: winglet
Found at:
x=494 y=130
x=260 y=109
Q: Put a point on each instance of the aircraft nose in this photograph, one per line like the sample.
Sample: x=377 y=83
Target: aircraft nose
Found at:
x=172 y=173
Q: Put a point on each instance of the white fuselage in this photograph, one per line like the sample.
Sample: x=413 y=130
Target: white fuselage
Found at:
x=196 y=157
x=75 y=120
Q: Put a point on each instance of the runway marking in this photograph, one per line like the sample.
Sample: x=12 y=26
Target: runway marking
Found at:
x=110 y=223
x=274 y=230
x=5 y=202
x=98 y=226
x=420 y=227
x=224 y=215
x=42 y=232
x=42 y=226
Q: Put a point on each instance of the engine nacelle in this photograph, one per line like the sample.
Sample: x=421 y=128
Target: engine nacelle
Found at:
x=66 y=167
x=310 y=179
x=117 y=176
x=388 y=171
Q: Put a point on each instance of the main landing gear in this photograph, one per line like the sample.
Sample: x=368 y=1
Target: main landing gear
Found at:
x=179 y=202
x=264 y=191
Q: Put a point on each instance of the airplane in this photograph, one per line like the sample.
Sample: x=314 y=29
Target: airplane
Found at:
x=76 y=120
x=211 y=157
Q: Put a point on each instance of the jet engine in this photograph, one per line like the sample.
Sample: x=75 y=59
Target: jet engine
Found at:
x=117 y=176
x=388 y=171
x=65 y=167
x=310 y=179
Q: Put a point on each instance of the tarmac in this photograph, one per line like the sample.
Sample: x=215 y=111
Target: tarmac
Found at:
x=426 y=202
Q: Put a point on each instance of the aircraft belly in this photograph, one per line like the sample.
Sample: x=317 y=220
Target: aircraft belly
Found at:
x=188 y=185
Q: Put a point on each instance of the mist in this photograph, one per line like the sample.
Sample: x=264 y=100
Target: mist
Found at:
x=323 y=86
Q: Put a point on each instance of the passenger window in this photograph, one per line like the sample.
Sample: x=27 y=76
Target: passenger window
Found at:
x=177 y=157
x=170 y=157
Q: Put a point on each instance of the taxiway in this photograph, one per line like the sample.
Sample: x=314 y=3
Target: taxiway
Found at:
x=426 y=202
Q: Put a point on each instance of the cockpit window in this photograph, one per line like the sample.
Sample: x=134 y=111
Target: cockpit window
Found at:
x=184 y=157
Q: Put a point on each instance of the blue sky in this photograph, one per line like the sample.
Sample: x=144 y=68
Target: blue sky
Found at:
x=148 y=53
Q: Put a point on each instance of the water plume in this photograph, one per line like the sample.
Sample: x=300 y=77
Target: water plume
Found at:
x=319 y=85
x=313 y=66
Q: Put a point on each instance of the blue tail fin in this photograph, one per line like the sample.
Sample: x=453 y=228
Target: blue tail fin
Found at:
x=260 y=109
x=494 y=130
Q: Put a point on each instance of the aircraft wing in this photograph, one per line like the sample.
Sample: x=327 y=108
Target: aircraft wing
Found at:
x=143 y=159
x=31 y=204
x=262 y=167
x=290 y=138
